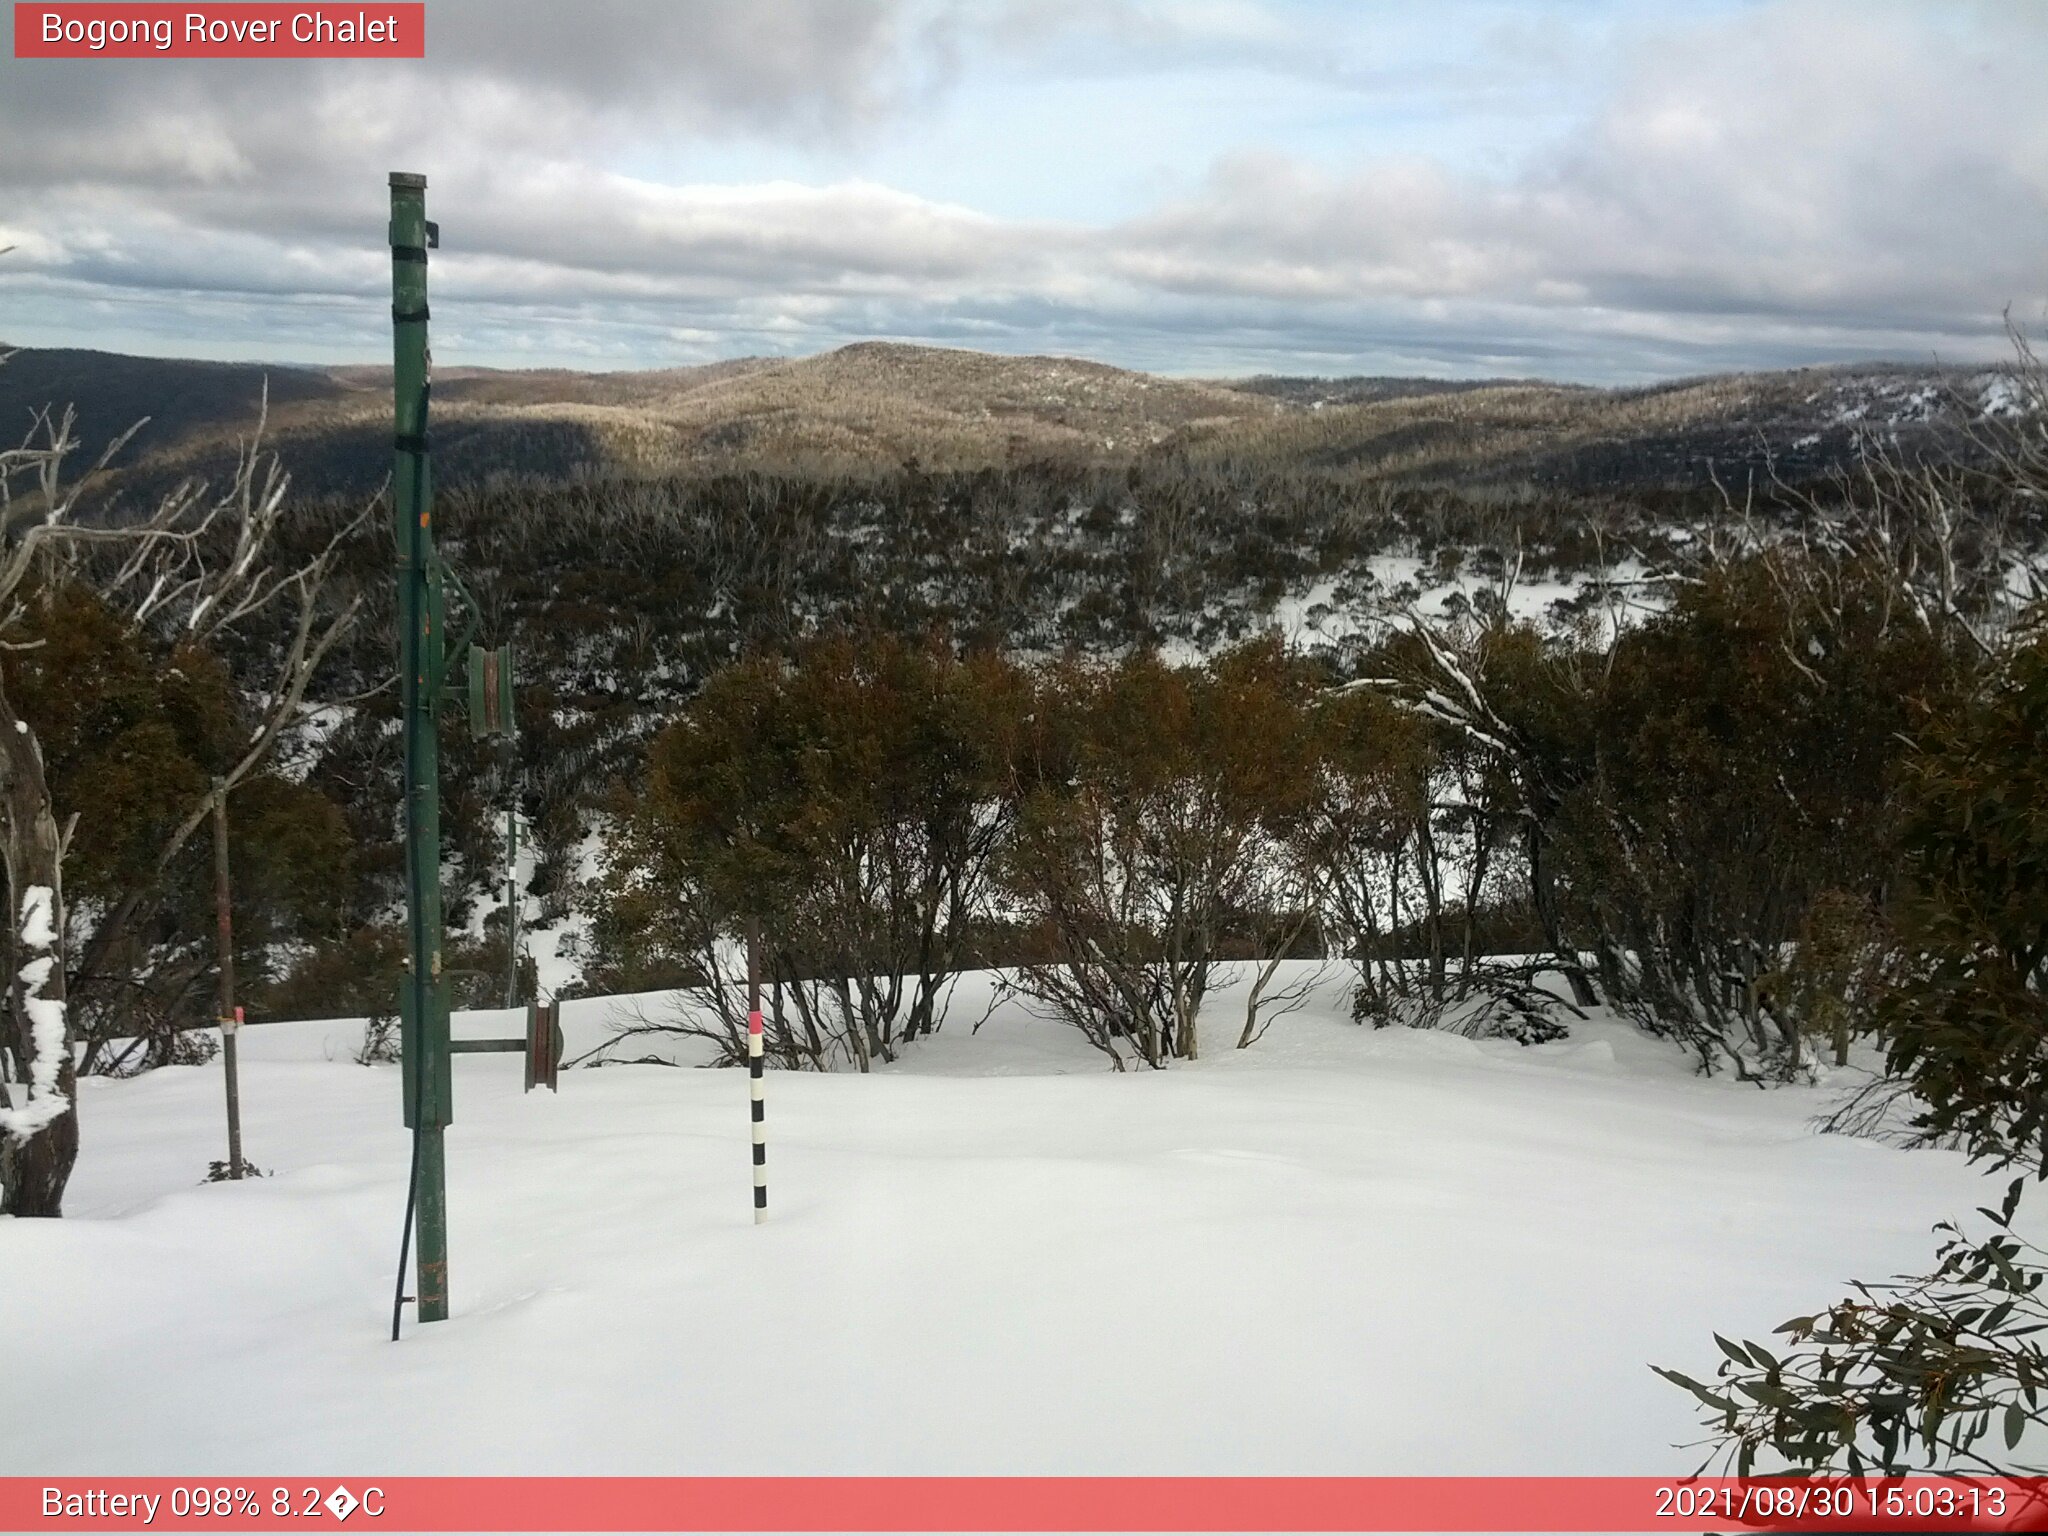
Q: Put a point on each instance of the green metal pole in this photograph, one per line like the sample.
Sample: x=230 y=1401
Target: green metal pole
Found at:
x=422 y=662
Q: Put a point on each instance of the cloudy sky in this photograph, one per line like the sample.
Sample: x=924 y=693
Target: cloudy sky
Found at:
x=1606 y=192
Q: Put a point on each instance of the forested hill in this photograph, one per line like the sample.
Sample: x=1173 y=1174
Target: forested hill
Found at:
x=178 y=400
x=637 y=536
x=880 y=405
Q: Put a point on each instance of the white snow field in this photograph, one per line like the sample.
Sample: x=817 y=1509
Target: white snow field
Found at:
x=1343 y=1251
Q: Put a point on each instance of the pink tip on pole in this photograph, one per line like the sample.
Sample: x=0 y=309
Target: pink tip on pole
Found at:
x=754 y=1022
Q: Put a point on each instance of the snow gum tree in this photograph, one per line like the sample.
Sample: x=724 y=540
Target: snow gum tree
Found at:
x=1689 y=788
x=1944 y=1370
x=1372 y=763
x=1738 y=772
x=849 y=802
x=1968 y=1023
x=185 y=575
x=1151 y=801
x=133 y=728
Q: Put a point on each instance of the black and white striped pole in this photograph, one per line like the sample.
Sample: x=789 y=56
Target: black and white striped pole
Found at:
x=755 y=1064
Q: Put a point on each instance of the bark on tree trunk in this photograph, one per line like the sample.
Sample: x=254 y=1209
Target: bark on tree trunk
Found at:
x=33 y=1173
x=1543 y=896
x=35 y=1169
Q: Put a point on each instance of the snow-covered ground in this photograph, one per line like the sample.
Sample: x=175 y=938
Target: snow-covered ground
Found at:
x=1342 y=1251
x=1331 y=610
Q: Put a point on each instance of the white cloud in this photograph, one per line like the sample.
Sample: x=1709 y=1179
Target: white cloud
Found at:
x=1784 y=183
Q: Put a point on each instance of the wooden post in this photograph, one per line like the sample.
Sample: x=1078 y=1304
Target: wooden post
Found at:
x=756 y=1104
x=230 y=1015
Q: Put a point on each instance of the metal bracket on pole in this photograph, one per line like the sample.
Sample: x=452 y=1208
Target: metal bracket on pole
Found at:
x=490 y=692
x=543 y=1046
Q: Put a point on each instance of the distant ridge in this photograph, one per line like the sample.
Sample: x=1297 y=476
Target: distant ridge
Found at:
x=884 y=404
x=181 y=397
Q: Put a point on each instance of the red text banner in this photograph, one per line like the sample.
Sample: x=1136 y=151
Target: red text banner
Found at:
x=370 y=1503
x=215 y=31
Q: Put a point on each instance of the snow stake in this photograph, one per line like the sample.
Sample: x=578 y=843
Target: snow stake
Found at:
x=757 y=1106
